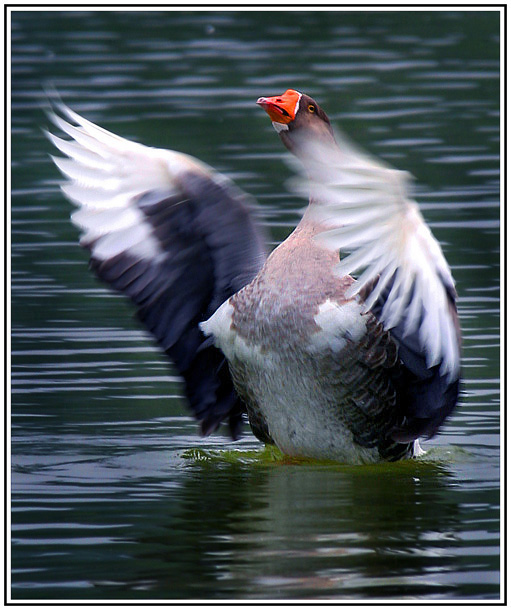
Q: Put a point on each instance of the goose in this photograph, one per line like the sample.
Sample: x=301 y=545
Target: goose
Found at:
x=342 y=344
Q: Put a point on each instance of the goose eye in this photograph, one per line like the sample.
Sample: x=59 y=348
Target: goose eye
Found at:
x=311 y=108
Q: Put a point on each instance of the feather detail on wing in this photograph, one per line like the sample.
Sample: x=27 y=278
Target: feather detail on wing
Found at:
x=369 y=215
x=170 y=233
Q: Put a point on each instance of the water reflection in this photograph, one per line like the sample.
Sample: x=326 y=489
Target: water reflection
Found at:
x=305 y=532
x=236 y=530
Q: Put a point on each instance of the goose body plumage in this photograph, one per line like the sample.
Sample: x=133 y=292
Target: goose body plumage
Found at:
x=324 y=365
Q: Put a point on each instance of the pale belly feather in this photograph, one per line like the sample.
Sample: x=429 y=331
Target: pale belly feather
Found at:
x=290 y=386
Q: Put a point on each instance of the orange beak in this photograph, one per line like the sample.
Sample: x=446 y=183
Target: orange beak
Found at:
x=281 y=108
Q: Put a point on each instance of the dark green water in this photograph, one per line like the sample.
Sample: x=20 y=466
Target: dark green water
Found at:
x=104 y=503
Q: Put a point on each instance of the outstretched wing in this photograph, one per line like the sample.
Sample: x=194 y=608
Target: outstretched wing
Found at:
x=404 y=278
x=173 y=235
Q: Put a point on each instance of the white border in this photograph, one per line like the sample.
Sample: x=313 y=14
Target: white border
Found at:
x=209 y=5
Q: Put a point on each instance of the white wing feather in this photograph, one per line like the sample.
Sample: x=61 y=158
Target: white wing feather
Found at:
x=369 y=214
x=105 y=175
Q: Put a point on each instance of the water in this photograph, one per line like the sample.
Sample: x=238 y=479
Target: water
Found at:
x=105 y=502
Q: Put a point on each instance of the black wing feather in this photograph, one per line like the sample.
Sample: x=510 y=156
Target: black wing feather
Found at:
x=202 y=267
x=199 y=244
x=426 y=396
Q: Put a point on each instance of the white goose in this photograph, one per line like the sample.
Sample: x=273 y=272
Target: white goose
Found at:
x=325 y=366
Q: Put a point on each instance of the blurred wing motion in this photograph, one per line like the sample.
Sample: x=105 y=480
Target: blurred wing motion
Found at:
x=170 y=233
x=405 y=279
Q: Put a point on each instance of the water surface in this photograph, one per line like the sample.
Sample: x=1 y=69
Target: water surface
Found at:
x=105 y=503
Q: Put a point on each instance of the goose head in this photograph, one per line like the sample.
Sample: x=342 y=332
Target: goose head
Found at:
x=298 y=118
